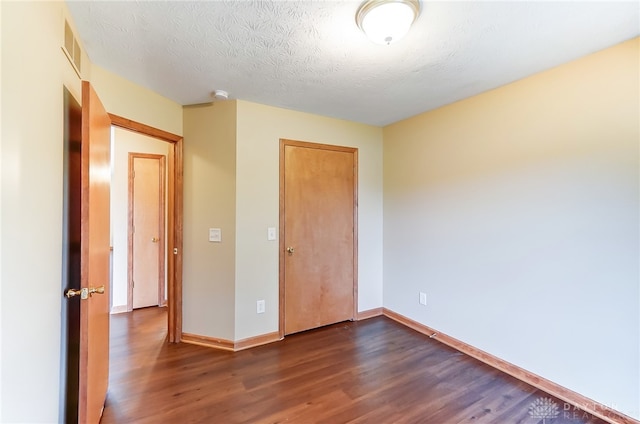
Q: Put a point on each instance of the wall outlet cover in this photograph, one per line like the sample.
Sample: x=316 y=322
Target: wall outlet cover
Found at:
x=260 y=307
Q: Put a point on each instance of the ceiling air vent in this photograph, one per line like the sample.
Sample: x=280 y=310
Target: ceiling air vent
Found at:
x=71 y=48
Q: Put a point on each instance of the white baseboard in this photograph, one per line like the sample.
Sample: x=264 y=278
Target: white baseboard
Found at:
x=119 y=309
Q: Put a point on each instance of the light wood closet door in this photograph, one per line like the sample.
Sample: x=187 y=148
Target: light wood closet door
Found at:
x=319 y=190
x=147 y=241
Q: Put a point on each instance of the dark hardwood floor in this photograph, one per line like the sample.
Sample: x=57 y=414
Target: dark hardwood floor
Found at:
x=372 y=371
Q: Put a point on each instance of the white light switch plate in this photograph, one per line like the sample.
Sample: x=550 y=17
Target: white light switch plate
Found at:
x=271 y=233
x=215 y=235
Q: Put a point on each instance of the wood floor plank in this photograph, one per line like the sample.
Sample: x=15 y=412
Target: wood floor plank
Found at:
x=372 y=371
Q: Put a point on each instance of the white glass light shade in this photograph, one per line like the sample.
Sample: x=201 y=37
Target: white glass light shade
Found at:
x=387 y=21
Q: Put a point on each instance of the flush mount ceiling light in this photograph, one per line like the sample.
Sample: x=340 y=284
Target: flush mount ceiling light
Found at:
x=387 y=21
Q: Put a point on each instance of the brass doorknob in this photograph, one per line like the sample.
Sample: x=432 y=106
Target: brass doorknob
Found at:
x=84 y=292
x=290 y=250
x=155 y=239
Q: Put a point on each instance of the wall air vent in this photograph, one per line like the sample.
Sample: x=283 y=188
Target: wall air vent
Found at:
x=71 y=48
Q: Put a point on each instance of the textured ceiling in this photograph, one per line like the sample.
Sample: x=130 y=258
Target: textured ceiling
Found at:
x=310 y=56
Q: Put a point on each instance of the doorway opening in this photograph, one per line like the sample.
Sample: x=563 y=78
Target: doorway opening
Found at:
x=151 y=142
x=71 y=255
x=86 y=255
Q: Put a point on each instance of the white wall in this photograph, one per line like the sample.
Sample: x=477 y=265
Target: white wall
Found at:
x=260 y=129
x=34 y=70
x=125 y=142
x=517 y=212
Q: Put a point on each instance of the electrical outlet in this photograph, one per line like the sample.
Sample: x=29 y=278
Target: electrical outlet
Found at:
x=260 y=307
x=423 y=298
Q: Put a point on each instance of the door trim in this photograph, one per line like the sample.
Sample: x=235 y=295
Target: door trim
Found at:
x=163 y=210
x=281 y=243
x=174 y=218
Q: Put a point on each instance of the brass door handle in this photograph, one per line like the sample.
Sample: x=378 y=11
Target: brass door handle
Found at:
x=155 y=240
x=290 y=250
x=97 y=290
x=85 y=292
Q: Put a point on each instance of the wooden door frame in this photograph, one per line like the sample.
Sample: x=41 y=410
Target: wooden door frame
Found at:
x=282 y=247
x=161 y=235
x=174 y=218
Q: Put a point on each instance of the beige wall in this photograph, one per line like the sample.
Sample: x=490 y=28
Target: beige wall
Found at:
x=124 y=98
x=517 y=212
x=1 y=116
x=259 y=131
x=123 y=143
x=232 y=182
x=34 y=71
x=209 y=202
x=1 y=225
